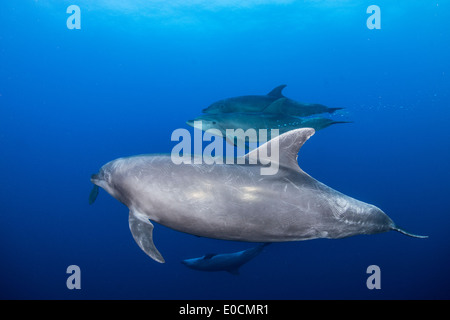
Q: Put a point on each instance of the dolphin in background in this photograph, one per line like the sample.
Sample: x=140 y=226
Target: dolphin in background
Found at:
x=230 y=262
x=273 y=102
x=245 y=121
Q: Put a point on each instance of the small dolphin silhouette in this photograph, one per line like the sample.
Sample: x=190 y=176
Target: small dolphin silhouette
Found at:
x=230 y=262
x=273 y=102
x=236 y=202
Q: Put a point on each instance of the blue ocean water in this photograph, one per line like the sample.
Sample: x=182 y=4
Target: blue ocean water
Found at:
x=73 y=99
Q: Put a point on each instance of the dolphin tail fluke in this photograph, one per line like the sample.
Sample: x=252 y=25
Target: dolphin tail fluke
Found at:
x=334 y=122
x=93 y=195
x=333 y=110
x=407 y=233
x=338 y=122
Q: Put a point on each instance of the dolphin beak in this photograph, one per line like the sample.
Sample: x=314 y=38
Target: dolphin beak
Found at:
x=95 y=178
x=98 y=180
x=195 y=124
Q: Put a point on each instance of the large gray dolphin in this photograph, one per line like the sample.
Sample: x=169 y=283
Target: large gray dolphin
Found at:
x=273 y=102
x=230 y=262
x=234 y=201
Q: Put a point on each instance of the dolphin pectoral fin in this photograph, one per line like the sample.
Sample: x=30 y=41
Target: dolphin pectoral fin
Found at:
x=233 y=271
x=93 y=195
x=230 y=141
x=142 y=230
x=275 y=107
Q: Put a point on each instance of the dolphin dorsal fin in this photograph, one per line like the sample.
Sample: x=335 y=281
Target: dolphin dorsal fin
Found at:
x=209 y=256
x=276 y=92
x=276 y=106
x=289 y=145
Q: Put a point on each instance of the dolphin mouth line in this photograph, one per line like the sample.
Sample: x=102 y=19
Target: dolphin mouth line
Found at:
x=95 y=178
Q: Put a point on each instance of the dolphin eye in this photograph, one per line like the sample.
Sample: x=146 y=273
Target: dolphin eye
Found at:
x=214 y=122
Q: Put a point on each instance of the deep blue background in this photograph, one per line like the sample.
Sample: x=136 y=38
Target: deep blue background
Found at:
x=72 y=100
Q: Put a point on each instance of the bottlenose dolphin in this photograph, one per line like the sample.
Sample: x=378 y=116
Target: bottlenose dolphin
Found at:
x=230 y=262
x=245 y=121
x=273 y=102
x=234 y=201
